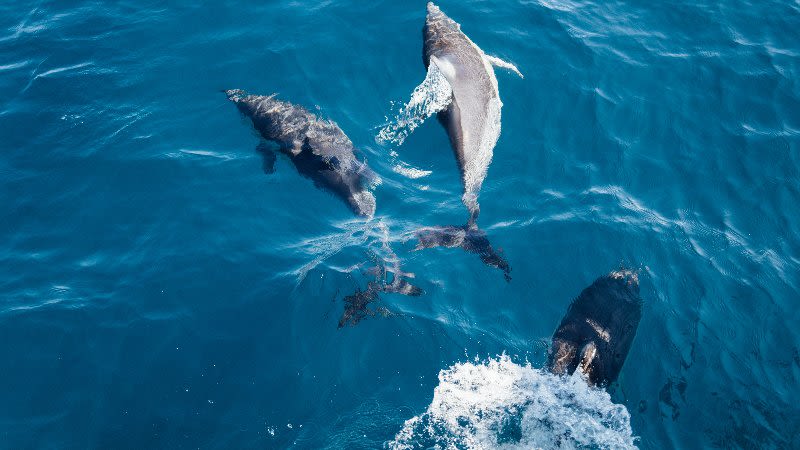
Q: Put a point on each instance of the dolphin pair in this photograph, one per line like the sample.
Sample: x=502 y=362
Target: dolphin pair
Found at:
x=596 y=334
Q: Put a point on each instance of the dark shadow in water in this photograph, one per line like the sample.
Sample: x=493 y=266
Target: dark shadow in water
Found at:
x=470 y=238
x=268 y=157
x=357 y=305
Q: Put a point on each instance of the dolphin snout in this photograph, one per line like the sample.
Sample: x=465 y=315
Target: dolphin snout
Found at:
x=234 y=94
x=630 y=277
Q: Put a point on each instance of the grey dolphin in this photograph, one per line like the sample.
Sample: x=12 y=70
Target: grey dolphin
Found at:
x=472 y=121
x=318 y=148
x=596 y=334
x=321 y=151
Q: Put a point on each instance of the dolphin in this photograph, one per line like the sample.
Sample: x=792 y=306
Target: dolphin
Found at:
x=356 y=305
x=389 y=277
x=596 y=334
x=319 y=149
x=472 y=118
x=472 y=121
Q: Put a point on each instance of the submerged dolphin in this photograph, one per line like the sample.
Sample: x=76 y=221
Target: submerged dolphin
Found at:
x=471 y=239
x=357 y=305
x=321 y=151
x=318 y=148
x=595 y=335
x=472 y=121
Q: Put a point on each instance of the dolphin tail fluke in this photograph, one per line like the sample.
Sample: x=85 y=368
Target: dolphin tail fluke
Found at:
x=470 y=238
x=396 y=283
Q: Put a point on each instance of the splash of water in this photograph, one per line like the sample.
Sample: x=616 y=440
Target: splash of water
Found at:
x=408 y=171
x=430 y=97
x=500 y=404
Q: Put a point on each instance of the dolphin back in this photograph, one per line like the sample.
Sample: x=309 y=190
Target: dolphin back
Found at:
x=596 y=334
x=318 y=148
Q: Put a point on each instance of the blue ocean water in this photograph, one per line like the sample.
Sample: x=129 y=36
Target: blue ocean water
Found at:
x=159 y=290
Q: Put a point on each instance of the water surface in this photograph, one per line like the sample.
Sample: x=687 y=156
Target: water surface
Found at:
x=160 y=291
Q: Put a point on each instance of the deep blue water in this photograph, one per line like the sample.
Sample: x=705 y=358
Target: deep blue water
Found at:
x=159 y=290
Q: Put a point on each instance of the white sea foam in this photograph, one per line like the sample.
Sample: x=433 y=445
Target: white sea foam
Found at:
x=500 y=404
x=202 y=153
x=408 y=171
x=430 y=97
x=374 y=235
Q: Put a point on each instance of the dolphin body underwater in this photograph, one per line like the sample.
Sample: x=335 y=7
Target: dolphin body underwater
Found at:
x=321 y=151
x=318 y=148
x=472 y=121
x=596 y=334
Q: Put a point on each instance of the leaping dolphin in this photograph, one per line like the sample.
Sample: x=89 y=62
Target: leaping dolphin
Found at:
x=596 y=334
x=472 y=118
x=472 y=121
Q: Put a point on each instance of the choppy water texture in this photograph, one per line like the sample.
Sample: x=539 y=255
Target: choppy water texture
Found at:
x=159 y=290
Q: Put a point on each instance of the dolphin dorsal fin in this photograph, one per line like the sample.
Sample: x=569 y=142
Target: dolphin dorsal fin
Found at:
x=497 y=62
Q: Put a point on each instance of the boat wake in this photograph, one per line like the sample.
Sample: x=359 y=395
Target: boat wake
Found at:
x=500 y=404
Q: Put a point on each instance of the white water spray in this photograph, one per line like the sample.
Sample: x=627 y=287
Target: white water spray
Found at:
x=430 y=97
x=498 y=404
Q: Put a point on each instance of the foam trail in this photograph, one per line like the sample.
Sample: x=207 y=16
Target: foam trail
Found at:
x=390 y=259
x=321 y=248
x=373 y=235
x=500 y=404
x=430 y=97
x=409 y=171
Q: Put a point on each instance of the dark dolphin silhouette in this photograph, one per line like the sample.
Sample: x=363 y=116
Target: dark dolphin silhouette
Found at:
x=595 y=335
